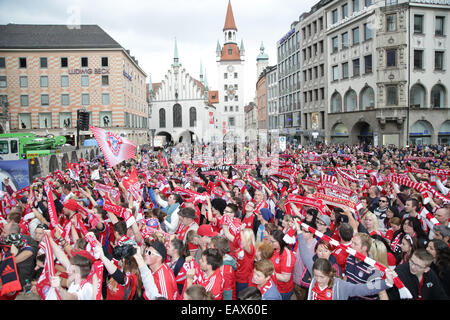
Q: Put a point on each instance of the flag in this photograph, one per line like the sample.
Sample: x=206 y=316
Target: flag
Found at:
x=115 y=148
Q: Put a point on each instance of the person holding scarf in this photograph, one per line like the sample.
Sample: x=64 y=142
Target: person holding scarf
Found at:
x=171 y=208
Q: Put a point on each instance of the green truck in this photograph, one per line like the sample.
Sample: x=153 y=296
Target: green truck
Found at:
x=18 y=146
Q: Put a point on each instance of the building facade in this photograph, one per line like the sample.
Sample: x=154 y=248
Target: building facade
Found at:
x=272 y=100
x=230 y=69
x=181 y=108
x=289 y=84
x=48 y=72
x=314 y=53
x=387 y=72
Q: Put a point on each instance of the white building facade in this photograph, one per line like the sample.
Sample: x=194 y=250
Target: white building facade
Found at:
x=180 y=109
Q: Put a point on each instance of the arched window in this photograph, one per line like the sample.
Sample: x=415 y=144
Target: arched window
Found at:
x=438 y=96
x=192 y=117
x=350 y=103
x=162 y=118
x=418 y=96
x=229 y=35
x=367 y=98
x=336 y=102
x=177 y=117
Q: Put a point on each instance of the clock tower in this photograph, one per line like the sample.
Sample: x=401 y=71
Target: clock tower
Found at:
x=230 y=64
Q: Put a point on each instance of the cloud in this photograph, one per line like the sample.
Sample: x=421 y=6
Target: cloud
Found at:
x=148 y=28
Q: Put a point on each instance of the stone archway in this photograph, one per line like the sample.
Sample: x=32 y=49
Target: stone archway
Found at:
x=53 y=165
x=361 y=132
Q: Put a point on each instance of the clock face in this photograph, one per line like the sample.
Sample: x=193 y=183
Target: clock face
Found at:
x=230 y=68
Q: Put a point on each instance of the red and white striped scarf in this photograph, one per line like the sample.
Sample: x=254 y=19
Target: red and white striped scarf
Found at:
x=404 y=292
x=49 y=267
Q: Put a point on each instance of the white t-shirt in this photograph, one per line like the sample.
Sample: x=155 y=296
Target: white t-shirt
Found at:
x=84 y=293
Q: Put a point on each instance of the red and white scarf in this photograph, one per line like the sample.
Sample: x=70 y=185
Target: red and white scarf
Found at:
x=404 y=292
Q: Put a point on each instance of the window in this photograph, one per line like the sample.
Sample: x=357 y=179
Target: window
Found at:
x=335 y=44
x=231 y=108
x=85 y=81
x=367 y=32
x=105 y=118
x=177 y=116
x=24 y=100
x=235 y=75
x=226 y=98
x=439 y=60
x=25 y=120
x=2 y=63
x=225 y=75
x=391 y=22
x=334 y=16
x=344 y=11
x=64 y=62
x=236 y=109
x=64 y=81
x=192 y=117
x=418 y=23
x=84 y=62
x=22 y=62
x=236 y=98
x=345 y=70
x=105 y=61
x=44 y=100
x=65 y=101
x=231 y=122
x=162 y=118
x=368 y=64
x=226 y=108
x=391 y=57
x=43 y=62
x=367 y=3
x=355 y=5
x=85 y=99
x=45 y=120
x=355 y=36
x=44 y=81
x=335 y=75
x=13 y=144
x=105 y=80
x=105 y=99
x=3 y=82
x=230 y=51
x=345 y=40
x=418 y=59
x=356 y=68
x=391 y=95
x=4 y=148
x=23 y=81
x=439 y=26
x=65 y=119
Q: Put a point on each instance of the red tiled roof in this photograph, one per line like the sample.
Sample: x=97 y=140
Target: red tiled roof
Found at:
x=235 y=54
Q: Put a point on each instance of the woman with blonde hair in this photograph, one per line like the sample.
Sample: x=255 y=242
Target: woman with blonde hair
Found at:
x=370 y=221
x=245 y=240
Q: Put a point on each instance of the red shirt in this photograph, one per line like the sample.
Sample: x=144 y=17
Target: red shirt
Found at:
x=248 y=221
x=284 y=263
x=125 y=292
x=214 y=284
x=245 y=262
x=341 y=256
x=325 y=294
x=165 y=281
x=229 y=279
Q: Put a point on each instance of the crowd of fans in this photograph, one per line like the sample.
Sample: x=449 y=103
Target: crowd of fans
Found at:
x=330 y=222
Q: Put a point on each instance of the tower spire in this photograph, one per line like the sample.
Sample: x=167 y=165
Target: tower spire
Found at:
x=229 y=20
x=175 y=55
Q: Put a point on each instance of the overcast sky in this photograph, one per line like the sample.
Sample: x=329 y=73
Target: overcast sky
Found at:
x=148 y=28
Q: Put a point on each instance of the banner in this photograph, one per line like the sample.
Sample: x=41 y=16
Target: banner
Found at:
x=17 y=171
x=115 y=148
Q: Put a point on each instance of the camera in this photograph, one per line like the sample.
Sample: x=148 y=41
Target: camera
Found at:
x=124 y=252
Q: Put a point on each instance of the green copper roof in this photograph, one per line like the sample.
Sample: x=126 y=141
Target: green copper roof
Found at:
x=262 y=55
x=175 y=57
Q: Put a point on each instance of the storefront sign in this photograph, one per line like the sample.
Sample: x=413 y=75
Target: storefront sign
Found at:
x=89 y=71
x=126 y=75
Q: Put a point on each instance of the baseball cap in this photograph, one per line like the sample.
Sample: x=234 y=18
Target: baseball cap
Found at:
x=71 y=204
x=325 y=219
x=160 y=248
x=206 y=230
